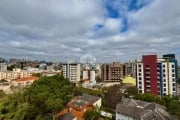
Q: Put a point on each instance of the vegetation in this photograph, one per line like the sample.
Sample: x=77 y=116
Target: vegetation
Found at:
x=38 y=102
x=112 y=96
x=92 y=114
x=11 y=67
x=170 y=102
x=37 y=74
x=50 y=94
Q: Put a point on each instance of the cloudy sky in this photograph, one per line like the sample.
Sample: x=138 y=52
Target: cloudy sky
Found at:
x=110 y=30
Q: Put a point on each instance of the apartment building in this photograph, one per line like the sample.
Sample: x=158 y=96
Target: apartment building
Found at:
x=72 y=72
x=13 y=75
x=24 y=81
x=112 y=72
x=157 y=75
x=129 y=69
x=3 y=67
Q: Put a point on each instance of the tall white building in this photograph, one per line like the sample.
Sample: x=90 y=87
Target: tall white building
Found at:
x=85 y=75
x=92 y=76
x=72 y=72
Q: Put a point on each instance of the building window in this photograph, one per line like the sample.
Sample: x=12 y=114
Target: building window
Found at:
x=140 y=82
x=139 y=74
x=173 y=80
x=139 y=65
x=174 y=89
x=147 y=65
x=140 y=78
x=165 y=89
x=164 y=66
x=139 y=70
x=164 y=70
x=164 y=84
x=172 y=70
x=164 y=80
x=173 y=75
x=174 y=84
x=172 y=66
x=164 y=75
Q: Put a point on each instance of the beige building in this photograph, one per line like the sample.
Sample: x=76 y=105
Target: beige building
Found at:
x=178 y=89
x=112 y=72
x=25 y=81
x=3 y=67
x=72 y=72
x=13 y=75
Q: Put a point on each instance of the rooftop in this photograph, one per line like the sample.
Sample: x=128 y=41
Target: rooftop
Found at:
x=89 y=98
x=83 y=101
x=27 y=79
x=142 y=110
x=66 y=116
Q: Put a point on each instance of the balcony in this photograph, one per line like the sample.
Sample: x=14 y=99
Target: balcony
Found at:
x=147 y=81
x=147 y=76
x=147 y=72
x=148 y=86
x=148 y=90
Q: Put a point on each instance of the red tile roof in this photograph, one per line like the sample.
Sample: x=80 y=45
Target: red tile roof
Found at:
x=27 y=79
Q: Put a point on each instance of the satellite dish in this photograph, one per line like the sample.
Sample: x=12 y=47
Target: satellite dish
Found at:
x=88 y=59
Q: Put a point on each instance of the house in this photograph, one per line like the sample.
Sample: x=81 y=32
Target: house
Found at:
x=131 y=109
x=80 y=104
x=25 y=81
x=66 y=116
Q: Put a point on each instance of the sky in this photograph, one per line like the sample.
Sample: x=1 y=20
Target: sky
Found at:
x=109 y=30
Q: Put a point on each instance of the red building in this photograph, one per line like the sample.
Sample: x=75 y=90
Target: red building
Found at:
x=150 y=73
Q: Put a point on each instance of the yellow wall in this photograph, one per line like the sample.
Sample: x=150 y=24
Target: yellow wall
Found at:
x=129 y=80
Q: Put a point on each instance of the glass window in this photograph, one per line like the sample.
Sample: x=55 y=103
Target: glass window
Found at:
x=147 y=65
x=174 y=89
x=164 y=89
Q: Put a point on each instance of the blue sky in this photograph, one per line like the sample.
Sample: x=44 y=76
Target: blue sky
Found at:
x=110 y=30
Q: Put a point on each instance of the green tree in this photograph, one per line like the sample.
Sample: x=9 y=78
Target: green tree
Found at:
x=38 y=102
x=92 y=114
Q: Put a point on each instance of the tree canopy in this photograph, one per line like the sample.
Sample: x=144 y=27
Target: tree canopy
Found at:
x=38 y=102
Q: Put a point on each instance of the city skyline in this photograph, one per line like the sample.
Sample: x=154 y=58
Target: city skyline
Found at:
x=109 y=30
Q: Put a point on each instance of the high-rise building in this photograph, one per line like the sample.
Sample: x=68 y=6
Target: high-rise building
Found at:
x=157 y=75
x=3 y=67
x=129 y=69
x=112 y=72
x=178 y=74
x=72 y=72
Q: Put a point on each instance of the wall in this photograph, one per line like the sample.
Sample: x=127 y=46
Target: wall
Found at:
x=123 y=117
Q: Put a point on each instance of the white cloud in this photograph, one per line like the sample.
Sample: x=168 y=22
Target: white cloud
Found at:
x=63 y=29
